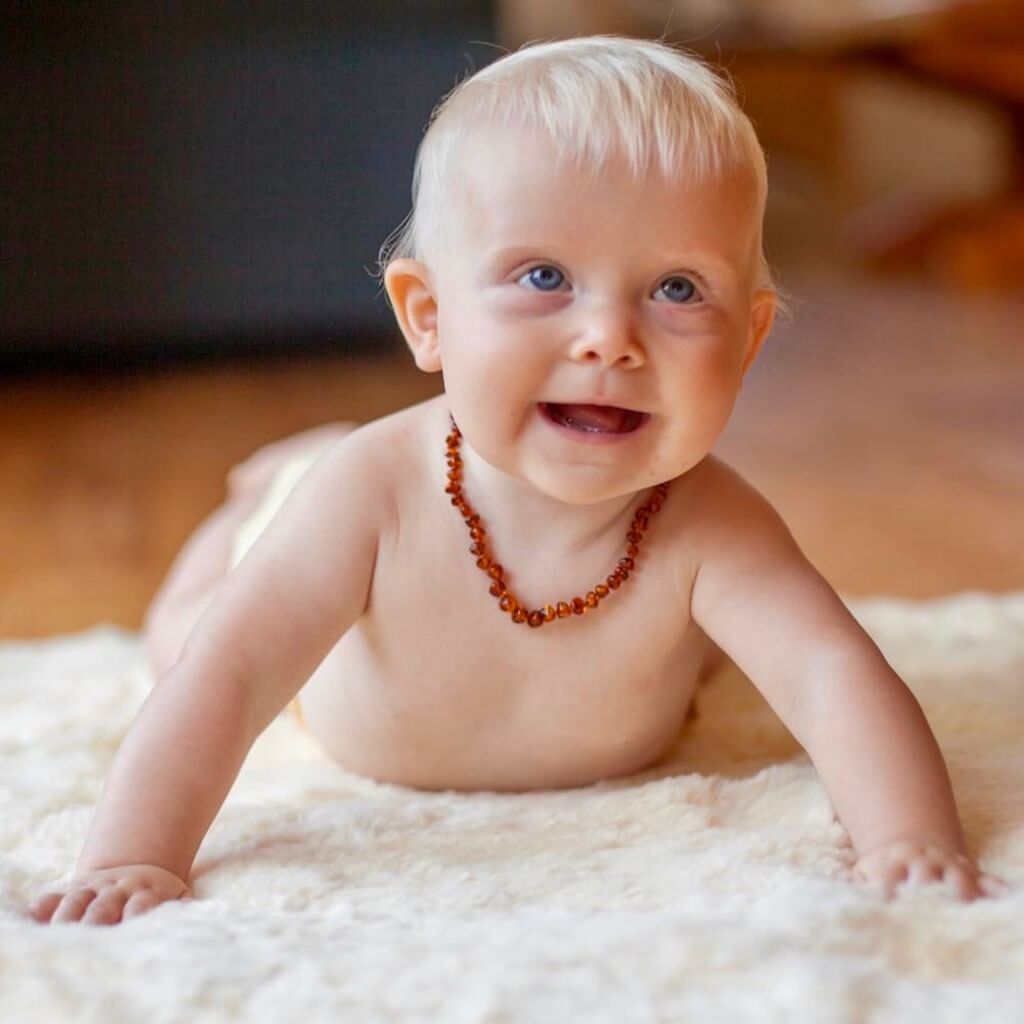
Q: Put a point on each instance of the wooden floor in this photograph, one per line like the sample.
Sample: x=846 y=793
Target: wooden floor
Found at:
x=886 y=423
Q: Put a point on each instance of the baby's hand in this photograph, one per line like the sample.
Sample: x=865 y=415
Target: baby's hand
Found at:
x=110 y=895
x=917 y=862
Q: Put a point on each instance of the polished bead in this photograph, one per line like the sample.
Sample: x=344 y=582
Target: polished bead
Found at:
x=634 y=537
x=495 y=572
x=497 y=588
x=483 y=562
x=632 y=551
x=591 y=599
x=614 y=582
x=519 y=615
x=564 y=611
x=627 y=563
x=508 y=603
x=477 y=532
x=578 y=606
x=535 y=619
x=452 y=489
x=601 y=590
x=549 y=612
x=479 y=549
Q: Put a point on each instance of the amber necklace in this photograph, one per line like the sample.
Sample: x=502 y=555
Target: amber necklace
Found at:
x=506 y=600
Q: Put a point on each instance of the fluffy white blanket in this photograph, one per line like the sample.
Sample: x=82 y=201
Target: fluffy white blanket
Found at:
x=710 y=889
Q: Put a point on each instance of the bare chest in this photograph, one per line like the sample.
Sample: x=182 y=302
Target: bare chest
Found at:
x=437 y=688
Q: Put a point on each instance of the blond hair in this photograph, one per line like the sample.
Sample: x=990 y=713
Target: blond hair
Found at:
x=596 y=98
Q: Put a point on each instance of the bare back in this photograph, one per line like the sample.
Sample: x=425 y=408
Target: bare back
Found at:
x=434 y=687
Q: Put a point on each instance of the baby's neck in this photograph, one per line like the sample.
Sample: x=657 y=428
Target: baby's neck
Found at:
x=515 y=513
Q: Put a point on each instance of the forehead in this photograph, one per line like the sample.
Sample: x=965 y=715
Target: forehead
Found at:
x=514 y=189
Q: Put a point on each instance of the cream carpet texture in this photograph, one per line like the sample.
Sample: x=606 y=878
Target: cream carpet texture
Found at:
x=709 y=889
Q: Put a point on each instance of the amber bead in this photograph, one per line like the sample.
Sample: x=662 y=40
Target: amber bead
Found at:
x=535 y=619
x=627 y=563
x=564 y=611
x=483 y=562
x=614 y=582
x=578 y=606
x=591 y=600
x=495 y=572
x=507 y=603
x=479 y=549
x=601 y=590
x=519 y=615
x=633 y=550
x=497 y=588
x=549 y=612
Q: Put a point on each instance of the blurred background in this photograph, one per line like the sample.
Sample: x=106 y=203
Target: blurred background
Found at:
x=194 y=196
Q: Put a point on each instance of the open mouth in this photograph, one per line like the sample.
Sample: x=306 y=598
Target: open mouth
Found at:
x=594 y=419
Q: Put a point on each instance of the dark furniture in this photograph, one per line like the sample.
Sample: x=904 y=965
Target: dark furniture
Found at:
x=193 y=179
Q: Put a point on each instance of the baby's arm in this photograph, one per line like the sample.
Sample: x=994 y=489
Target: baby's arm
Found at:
x=273 y=620
x=761 y=601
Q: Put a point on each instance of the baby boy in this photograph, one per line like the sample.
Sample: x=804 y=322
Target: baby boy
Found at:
x=518 y=584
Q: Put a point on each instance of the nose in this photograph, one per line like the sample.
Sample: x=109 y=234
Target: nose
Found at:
x=609 y=338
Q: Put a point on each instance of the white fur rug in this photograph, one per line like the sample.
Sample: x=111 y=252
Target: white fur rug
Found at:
x=710 y=889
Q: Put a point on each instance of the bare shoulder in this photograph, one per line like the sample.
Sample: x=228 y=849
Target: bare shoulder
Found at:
x=725 y=502
x=728 y=532
x=380 y=459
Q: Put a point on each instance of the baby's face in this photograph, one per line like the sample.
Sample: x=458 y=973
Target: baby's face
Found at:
x=556 y=291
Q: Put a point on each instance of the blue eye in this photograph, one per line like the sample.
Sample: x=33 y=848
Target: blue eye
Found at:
x=678 y=289
x=545 y=278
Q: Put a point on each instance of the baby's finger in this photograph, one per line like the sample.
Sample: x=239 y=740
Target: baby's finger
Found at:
x=992 y=886
x=106 y=908
x=924 y=871
x=964 y=883
x=882 y=880
x=892 y=876
x=73 y=905
x=42 y=909
x=140 y=902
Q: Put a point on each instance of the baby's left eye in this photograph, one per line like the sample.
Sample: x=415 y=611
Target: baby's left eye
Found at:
x=679 y=290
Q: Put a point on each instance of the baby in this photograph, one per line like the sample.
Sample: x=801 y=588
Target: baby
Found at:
x=516 y=585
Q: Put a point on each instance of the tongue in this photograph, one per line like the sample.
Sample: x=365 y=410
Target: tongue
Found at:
x=606 y=418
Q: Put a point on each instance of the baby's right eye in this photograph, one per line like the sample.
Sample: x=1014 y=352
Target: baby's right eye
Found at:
x=545 y=278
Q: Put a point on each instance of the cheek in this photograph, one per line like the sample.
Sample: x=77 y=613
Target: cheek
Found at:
x=706 y=381
x=708 y=365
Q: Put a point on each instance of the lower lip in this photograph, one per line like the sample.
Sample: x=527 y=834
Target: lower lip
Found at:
x=591 y=436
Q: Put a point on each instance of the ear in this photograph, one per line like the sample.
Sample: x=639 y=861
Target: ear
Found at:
x=412 y=298
x=762 y=313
